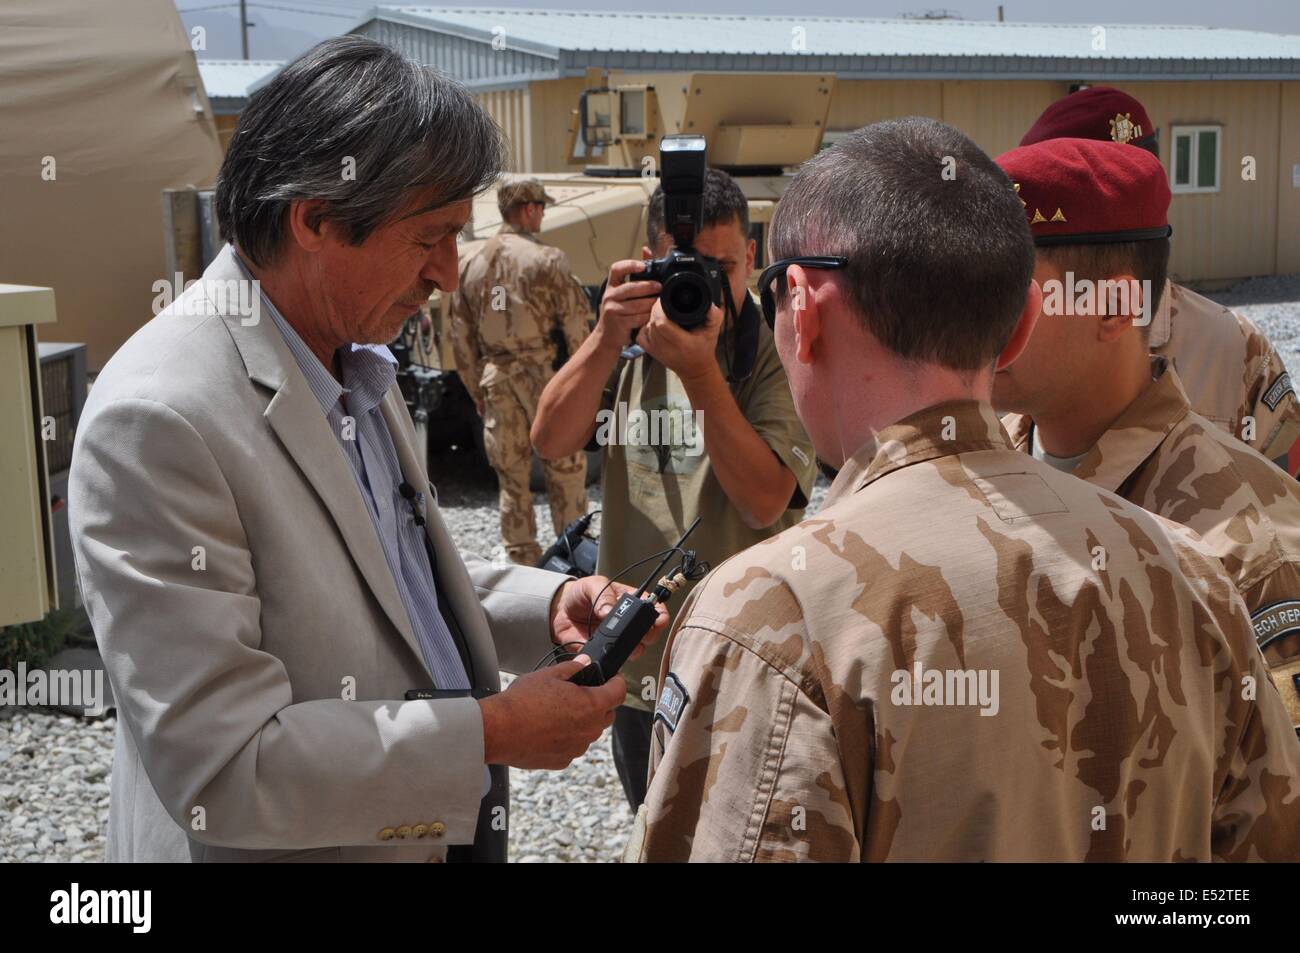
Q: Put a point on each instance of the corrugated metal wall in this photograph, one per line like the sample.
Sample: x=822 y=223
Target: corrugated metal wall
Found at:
x=1246 y=228
x=536 y=120
x=1288 y=180
x=468 y=60
x=1233 y=232
x=512 y=109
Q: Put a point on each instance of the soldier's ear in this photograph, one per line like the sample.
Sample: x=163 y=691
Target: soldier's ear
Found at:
x=646 y=253
x=805 y=316
x=1119 y=304
x=1024 y=328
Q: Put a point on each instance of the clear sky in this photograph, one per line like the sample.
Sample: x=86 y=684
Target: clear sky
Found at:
x=284 y=28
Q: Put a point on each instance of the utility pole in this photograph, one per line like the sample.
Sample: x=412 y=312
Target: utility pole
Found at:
x=243 y=26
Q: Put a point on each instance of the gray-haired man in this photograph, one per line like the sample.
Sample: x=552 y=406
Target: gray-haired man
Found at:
x=303 y=665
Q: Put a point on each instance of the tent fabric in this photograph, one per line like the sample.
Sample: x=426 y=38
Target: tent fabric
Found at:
x=111 y=93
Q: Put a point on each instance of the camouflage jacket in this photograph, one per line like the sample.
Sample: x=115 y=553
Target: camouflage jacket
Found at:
x=1232 y=373
x=968 y=656
x=512 y=294
x=1169 y=460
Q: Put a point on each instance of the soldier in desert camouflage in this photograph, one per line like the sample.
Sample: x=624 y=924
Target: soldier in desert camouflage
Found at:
x=514 y=296
x=966 y=655
x=1231 y=372
x=1095 y=403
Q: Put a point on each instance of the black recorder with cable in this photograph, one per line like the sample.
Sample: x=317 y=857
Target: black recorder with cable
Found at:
x=634 y=615
x=573 y=552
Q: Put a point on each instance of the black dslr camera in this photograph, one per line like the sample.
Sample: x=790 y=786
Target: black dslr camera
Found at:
x=692 y=283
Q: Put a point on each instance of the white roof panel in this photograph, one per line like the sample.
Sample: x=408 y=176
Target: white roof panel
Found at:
x=553 y=31
x=231 y=79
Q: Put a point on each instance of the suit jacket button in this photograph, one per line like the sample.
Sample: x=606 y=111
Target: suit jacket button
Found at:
x=404 y=830
x=386 y=833
x=420 y=829
x=437 y=829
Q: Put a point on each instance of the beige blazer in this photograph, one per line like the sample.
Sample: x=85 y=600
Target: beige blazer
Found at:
x=255 y=640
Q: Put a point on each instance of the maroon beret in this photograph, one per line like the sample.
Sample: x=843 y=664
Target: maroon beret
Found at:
x=1082 y=192
x=1098 y=112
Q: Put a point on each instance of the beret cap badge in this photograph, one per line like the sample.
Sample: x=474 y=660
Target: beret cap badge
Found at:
x=1124 y=129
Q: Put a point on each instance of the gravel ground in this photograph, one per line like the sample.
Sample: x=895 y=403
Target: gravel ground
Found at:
x=54 y=768
x=53 y=785
x=1273 y=304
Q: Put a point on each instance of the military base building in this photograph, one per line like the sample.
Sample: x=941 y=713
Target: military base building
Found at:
x=228 y=83
x=1226 y=102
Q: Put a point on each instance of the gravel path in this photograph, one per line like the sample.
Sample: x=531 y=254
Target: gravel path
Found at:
x=54 y=768
x=1273 y=303
x=53 y=785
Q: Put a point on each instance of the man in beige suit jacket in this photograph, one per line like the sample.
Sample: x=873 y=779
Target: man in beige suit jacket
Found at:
x=260 y=624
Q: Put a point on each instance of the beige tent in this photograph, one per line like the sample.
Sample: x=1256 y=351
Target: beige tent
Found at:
x=101 y=108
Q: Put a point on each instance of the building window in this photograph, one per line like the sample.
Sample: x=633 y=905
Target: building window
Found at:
x=1194 y=162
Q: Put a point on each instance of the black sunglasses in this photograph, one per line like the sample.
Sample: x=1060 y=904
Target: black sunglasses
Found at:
x=775 y=272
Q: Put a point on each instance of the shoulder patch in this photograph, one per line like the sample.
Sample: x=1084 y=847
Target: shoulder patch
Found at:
x=1277 y=390
x=673 y=698
x=1276 y=620
x=799 y=454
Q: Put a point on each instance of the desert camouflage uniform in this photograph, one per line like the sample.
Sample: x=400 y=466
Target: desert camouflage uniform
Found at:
x=512 y=294
x=1123 y=654
x=1168 y=459
x=1231 y=372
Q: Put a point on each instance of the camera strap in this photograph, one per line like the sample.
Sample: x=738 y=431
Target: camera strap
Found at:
x=741 y=329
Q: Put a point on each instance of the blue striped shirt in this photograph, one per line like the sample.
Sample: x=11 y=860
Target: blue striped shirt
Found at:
x=354 y=415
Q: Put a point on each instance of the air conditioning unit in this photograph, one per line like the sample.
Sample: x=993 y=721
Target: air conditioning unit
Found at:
x=28 y=579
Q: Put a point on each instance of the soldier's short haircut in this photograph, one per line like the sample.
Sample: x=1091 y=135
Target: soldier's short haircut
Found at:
x=723 y=203
x=356 y=124
x=940 y=254
x=1145 y=261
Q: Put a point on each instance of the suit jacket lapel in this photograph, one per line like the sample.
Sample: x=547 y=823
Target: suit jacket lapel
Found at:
x=456 y=584
x=295 y=416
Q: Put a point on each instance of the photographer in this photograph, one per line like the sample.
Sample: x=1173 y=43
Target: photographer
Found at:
x=748 y=474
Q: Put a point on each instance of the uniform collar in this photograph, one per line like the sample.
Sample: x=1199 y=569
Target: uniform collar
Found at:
x=943 y=430
x=1132 y=438
x=1162 y=322
x=509 y=228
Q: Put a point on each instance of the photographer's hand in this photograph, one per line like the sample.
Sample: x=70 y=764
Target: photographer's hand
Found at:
x=691 y=355
x=626 y=304
x=566 y=411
